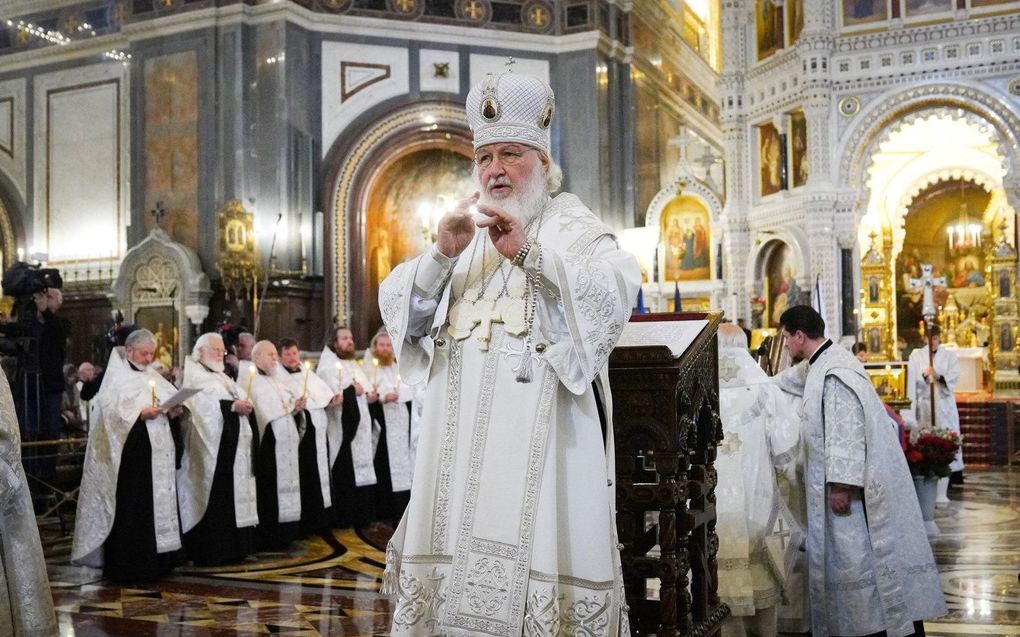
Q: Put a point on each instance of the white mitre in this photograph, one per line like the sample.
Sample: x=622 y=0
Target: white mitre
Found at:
x=511 y=107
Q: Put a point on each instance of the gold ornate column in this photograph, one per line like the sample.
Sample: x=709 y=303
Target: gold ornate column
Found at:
x=1000 y=281
x=876 y=315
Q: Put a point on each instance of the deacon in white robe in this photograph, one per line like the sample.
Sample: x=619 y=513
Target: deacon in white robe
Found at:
x=511 y=318
x=277 y=410
x=351 y=431
x=392 y=413
x=216 y=481
x=26 y=604
x=944 y=374
x=313 y=453
x=870 y=566
x=758 y=536
x=127 y=522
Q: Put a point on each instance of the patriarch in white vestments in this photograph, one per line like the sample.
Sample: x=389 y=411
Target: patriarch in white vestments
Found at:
x=278 y=414
x=313 y=452
x=216 y=481
x=870 y=567
x=127 y=521
x=510 y=318
x=758 y=536
x=26 y=604
x=351 y=431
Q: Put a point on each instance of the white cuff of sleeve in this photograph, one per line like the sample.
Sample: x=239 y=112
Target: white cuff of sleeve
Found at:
x=433 y=271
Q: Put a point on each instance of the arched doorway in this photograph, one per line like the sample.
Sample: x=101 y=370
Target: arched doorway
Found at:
x=411 y=158
x=937 y=194
x=948 y=224
x=402 y=205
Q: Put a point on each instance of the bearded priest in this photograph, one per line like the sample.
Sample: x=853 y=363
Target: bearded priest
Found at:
x=277 y=414
x=216 y=481
x=313 y=455
x=352 y=441
x=392 y=412
x=127 y=521
x=510 y=317
x=870 y=567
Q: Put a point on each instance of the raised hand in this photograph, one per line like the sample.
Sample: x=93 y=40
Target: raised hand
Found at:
x=505 y=231
x=456 y=228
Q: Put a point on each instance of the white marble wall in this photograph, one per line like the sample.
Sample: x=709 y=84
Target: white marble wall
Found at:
x=13 y=152
x=82 y=171
x=354 y=79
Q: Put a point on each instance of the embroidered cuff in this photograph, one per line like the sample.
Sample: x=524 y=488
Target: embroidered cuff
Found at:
x=434 y=270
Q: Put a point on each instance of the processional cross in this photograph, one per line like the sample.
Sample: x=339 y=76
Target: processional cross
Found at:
x=927 y=284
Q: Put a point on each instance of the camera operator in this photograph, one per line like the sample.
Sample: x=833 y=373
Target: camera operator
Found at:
x=38 y=338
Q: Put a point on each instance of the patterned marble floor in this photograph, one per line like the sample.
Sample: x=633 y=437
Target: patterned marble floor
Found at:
x=327 y=585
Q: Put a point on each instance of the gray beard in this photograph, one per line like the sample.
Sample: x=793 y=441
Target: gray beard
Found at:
x=214 y=365
x=527 y=201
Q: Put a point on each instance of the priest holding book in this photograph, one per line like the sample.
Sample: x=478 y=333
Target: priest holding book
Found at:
x=127 y=506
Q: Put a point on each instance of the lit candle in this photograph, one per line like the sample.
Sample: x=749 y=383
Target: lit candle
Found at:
x=375 y=373
x=152 y=386
x=339 y=376
x=304 y=391
x=251 y=377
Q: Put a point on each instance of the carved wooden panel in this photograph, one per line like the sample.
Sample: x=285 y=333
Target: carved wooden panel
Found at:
x=667 y=426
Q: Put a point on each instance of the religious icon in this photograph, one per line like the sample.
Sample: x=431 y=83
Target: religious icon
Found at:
x=864 y=11
x=768 y=22
x=783 y=289
x=769 y=159
x=798 y=148
x=795 y=18
x=926 y=7
x=875 y=339
x=684 y=226
x=1004 y=286
x=874 y=286
x=1005 y=338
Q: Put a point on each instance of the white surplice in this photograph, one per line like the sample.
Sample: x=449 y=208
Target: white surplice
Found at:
x=758 y=536
x=317 y=396
x=124 y=393
x=386 y=379
x=274 y=408
x=867 y=573
x=201 y=429
x=363 y=444
x=947 y=372
x=26 y=603
x=511 y=525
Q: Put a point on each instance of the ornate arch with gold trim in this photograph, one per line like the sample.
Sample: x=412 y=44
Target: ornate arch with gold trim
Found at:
x=419 y=126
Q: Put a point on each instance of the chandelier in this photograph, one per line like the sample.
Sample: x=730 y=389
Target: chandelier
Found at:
x=965 y=235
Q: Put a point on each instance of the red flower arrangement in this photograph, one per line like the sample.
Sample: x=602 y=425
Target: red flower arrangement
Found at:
x=930 y=451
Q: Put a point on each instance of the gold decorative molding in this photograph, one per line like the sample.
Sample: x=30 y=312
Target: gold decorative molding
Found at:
x=238 y=259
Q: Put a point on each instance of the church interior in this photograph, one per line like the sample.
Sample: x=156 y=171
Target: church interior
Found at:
x=267 y=163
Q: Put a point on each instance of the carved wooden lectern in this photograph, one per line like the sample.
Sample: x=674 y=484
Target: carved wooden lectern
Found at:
x=664 y=378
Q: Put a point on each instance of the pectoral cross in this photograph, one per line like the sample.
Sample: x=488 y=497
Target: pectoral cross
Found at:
x=927 y=284
x=474 y=316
